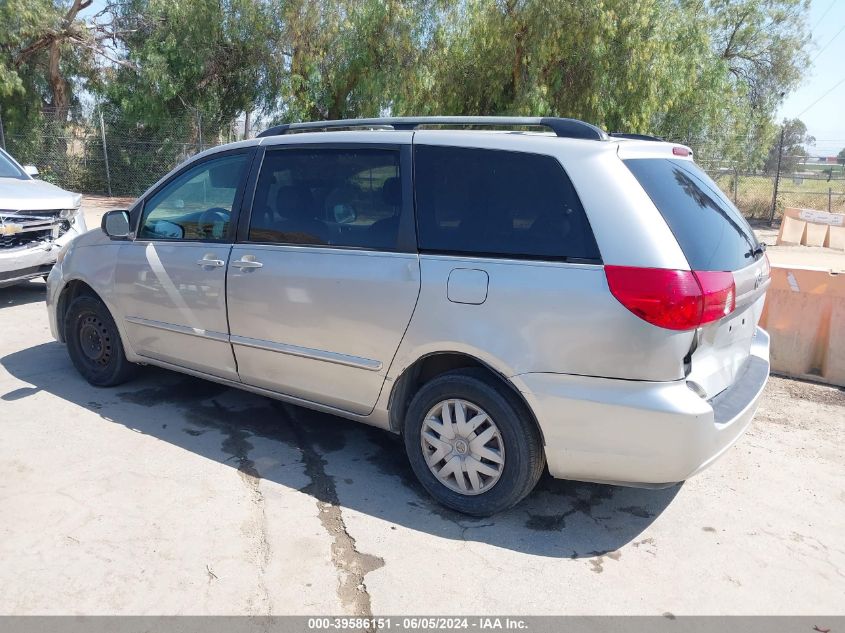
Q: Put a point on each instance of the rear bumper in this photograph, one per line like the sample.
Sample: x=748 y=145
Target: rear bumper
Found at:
x=637 y=432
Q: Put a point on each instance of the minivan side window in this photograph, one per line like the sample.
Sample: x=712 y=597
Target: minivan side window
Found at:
x=349 y=197
x=195 y=205
x=498 y=203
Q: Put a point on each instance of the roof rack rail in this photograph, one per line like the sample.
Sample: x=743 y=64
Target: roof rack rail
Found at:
x=637 y=137
x=568 y=128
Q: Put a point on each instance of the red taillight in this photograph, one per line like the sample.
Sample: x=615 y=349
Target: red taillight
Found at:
x=673 y=299
x=719 y=294
x=681 y=151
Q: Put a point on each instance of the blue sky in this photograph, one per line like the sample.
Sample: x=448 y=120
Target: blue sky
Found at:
x=826 y=119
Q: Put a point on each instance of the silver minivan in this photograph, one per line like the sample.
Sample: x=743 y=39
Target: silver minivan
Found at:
x=506 y=299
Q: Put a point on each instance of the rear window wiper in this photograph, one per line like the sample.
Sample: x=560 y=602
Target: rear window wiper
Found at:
x=755 y=252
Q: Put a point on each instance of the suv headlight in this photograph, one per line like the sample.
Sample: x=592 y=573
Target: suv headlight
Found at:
x=76 y=204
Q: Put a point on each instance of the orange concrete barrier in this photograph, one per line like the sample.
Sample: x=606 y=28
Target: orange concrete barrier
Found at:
x=805 y=316
x=812 y=228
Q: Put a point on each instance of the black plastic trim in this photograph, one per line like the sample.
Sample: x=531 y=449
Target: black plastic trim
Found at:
x=747 y=385
x=636 y=137
x=565 y=128
x=593 y=261
x=249 y=195
x=406 y=241
x=23 y=273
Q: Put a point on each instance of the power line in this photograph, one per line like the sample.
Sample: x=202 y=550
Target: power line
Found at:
x=829 y=42
x=830 y=6
x=838 y=83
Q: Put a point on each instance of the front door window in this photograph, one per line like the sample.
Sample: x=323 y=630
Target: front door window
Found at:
x=197 y=204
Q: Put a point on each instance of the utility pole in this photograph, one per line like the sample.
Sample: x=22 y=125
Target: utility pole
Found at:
x=2 y=131
x=199 y=128
x=105 y=152
x=777 y=177
x=736 y=183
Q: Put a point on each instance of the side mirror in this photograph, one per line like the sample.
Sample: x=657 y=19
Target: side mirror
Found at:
x=115 y=224
x=31 y=170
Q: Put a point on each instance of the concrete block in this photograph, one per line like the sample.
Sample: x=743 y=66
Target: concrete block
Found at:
x=805 y=316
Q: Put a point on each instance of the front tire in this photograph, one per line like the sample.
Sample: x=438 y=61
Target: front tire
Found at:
x=472 y=444
x=94 y=343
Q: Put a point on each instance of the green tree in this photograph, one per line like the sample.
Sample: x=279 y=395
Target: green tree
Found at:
x=46 y=55
x=204 y=60
x=794 y=149
x=613 y=62
x=763 y=46
x=840 y=157
x=708 y=73
x=349 y=58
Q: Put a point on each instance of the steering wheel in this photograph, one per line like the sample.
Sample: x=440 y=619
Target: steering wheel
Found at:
x=208 y=220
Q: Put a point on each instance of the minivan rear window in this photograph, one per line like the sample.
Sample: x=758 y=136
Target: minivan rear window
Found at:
x=498 y=203
x=709 y=228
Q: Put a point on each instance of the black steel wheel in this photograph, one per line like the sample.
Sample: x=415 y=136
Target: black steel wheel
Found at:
x=94 y=343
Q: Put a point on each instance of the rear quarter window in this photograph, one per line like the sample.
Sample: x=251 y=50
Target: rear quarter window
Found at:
x=709 y=228
x=498 y=204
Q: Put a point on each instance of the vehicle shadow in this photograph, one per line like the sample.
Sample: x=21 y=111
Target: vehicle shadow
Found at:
x=23 y=293
x=348 y=464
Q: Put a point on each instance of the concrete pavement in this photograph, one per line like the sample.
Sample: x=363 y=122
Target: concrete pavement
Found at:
x=174 y=495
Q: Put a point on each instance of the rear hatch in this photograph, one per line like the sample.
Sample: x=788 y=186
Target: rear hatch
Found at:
x=714 y=237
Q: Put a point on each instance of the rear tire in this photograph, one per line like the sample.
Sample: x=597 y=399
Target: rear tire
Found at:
x=480 y=455
x=94 y=343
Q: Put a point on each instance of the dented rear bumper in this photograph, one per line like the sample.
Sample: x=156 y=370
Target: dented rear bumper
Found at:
x=640 y=433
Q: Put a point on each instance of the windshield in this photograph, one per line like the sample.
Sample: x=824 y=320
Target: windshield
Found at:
x=9 y=168
x=709 y=228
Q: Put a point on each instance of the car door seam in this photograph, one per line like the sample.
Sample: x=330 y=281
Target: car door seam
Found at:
x=308 y=352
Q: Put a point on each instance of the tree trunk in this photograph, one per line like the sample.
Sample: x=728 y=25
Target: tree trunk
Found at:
x=58 y=85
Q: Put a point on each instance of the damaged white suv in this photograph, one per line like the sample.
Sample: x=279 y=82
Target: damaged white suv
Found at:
x=36 y=220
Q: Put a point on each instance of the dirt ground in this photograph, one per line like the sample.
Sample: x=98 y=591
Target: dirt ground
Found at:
x=95 y=206
x=174 y=495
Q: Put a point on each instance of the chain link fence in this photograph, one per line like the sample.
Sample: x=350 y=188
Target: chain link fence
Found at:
x=104 y=155
x=759 y=195
x=813 y=186
x=809 y=179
